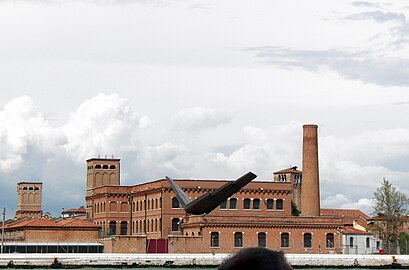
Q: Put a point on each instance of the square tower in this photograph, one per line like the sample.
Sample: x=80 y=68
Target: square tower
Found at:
x=29 y=199
x=102 y=172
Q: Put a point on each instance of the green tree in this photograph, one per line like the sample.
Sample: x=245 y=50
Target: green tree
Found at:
x=294 y=209
x=389 y=206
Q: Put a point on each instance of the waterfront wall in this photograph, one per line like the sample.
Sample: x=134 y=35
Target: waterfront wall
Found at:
x=141 y=260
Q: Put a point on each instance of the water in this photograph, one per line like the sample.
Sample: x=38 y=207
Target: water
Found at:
x=197 y=268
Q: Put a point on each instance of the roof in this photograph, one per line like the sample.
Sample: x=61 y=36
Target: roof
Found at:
x=352 y=213
x=76 y=210
x=352 y=230
x=51 y=223
x=289 y=170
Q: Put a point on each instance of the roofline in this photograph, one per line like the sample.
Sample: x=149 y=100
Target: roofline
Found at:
x=109 y=159
x=27 y=182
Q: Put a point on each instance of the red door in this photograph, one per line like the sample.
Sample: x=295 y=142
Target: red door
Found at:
x=157 y=246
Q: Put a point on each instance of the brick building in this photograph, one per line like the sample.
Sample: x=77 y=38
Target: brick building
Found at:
x=147 y=217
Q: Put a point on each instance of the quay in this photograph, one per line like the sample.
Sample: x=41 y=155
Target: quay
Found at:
x=75 y=260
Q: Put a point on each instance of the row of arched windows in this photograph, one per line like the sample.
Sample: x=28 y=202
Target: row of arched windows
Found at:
x=30 y=188
x=262 y=240
x=255 y=204
x=102 y=167
x=138 y=226
x=149 y=204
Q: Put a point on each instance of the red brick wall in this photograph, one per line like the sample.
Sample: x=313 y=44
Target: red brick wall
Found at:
x=124 y=244
x=61 y=235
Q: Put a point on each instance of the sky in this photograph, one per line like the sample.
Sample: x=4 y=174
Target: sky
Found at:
x=203 y=90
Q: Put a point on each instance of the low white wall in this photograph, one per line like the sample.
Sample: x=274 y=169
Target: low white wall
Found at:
x=103 y=259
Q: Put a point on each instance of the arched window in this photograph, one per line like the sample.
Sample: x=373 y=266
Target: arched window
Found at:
x=175 y=203
x=261 y=237
x=330 y=240
x=36 y=188
x=285 y=240
x=233 y=203
x=368 y=242
x=105 y=167
x=256 y=204
x=238 y=239
x=214 y=239
x=98 y=167
x=351 y=241
x=307 y=240
x=270 y=204
x=246 y=204
x=156 y=203
x=147 y=225
x=175 y=224
x=152 y=225
x=112 y=167
x=279 y=204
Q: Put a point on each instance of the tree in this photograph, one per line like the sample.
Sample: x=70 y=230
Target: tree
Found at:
x=390 y=205
x=294 y=209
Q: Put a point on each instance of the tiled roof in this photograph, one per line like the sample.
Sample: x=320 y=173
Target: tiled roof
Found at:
x=289 y=170
x=353 y=213
x=76 y=210
x=50 y=223
x=352 y=230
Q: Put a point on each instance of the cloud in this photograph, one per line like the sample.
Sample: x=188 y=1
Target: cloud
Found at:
x=196 y=120
x=364 y=4
x=22 y=126
x=104 y=124
x=340 y=201
x=364 y=65
x=378 y=16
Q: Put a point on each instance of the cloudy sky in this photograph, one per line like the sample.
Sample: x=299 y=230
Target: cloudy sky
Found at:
x=203 y=89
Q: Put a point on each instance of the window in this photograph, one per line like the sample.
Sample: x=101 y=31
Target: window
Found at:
x=112 y=167
x=279 y=204
x=124 y=228
x=105 y=167
x=98 y=167
x=112 y=227
x=297 y=179
x=238 y=239
x=368 y=242
x=282 y=177
x=223 y=205
x=307 y=240
x=175 y=224
x=246 y=204
x=233 y=203
x=256 y=204
x=175 y=203
x=330 y=240
x=214 y=239
x=285 y=240
x=351 y=241
x=270 y=204
x=261 y=237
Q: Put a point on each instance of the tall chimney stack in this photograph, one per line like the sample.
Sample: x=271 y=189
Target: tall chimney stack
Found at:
x=310 y=187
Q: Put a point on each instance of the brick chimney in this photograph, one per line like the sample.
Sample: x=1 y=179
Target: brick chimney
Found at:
x=310 y=187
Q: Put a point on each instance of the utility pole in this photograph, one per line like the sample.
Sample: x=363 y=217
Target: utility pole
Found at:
x=2 y=230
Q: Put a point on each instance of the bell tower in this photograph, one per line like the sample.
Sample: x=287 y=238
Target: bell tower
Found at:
x=29 y=199
x=102 y=172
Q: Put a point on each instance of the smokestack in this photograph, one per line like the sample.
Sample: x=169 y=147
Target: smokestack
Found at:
x=310 y=188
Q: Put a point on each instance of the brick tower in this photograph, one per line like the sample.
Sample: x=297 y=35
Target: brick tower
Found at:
x=310 y=192
x=102 y=172
x=29 y=199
